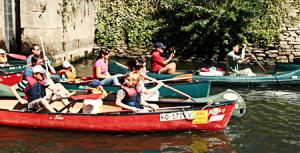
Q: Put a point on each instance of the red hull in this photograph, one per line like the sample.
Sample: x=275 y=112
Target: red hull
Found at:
x=11 y=78
x=122 y=122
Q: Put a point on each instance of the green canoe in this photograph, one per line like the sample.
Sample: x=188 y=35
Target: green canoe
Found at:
x=287 y=66
x=194 y=89
x=14 y=68
x=5 y=92
x=283 y=78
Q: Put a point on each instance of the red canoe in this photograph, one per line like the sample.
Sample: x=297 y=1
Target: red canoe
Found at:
x=10 y=79
x=177 y=117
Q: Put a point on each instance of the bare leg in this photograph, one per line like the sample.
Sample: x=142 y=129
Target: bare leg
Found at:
x=47 y=106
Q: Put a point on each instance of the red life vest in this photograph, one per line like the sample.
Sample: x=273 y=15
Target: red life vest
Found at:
x=133 y=95
x=35 y=90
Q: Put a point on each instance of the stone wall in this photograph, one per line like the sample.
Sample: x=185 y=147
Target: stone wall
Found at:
x=288 y=47
x=2 y=25
x=68 y=37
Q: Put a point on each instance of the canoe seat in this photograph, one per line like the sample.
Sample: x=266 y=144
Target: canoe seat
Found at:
x=109 y=108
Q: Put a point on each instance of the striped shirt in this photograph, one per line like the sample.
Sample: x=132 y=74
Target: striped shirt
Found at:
x=22 y=85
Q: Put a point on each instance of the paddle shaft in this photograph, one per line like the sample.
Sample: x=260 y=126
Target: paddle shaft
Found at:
x=171 y=79
x=44 y=53
x=173 y=89
x=259 y=64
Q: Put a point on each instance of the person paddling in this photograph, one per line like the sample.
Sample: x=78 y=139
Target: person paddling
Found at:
x=100 y=69
x=158 y=64
x=35 y=90
x=234 y=60
x=130 y=95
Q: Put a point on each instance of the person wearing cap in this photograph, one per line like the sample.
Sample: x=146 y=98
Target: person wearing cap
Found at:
x=3 y=58
x=130 y=95
x=96 y=88
x=100 y=69
x=158 y=64
x=35 y=90
x=68 y=71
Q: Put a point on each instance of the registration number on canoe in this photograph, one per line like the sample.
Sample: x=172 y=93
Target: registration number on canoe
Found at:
x=175 y=116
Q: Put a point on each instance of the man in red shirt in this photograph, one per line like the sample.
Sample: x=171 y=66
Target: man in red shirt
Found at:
x=158 y=64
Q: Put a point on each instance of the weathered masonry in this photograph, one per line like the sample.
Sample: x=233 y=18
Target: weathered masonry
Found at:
x=65 y=26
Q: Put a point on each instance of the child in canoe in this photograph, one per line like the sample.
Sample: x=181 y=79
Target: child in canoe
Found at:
x=68 y=71
x=130 y=95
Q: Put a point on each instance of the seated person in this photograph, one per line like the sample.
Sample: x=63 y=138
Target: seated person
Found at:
x=100 y=69
x=158 y=64
x=130 y=95
x=96 y=88
x=67 y=72
x=233 y=60
x=3 y=58
x=35 y=90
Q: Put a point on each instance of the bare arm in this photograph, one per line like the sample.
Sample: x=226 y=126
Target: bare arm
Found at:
x=13 y=89
x=120 y=104
x=169 y=59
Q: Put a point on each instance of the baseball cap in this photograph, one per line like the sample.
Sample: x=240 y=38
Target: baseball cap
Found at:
x=160 y=45
x=2 y=51
x=66 y=64
x=38 y=69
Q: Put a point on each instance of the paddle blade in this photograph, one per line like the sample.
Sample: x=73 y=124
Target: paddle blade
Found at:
x=185 y=77
x=17 y=56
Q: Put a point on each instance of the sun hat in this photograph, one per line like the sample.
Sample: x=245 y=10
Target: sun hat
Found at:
x=38 y=69
x=66 y=64
x=2 y=51
x=160 y=45
x=95 y=83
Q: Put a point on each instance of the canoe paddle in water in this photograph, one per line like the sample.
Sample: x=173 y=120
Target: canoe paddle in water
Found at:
x=171 y=88
x=17 y=56
x=258 y=62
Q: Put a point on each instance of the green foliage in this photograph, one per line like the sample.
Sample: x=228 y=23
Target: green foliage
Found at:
x=197 y=27
x=125 y=21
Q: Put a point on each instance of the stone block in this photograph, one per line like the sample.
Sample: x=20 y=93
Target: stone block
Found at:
x=292 y=29
x=261 y=55
x=283 y=43
x=296 y=53
x=258 y=51
x=272 y=52
x=294 y=42
x=293 y=34
x=281 y=58
x=290 y=39
x=282 y=61
x=272 y=55
x=285 y=46
x=297 y=46
x=284 y=53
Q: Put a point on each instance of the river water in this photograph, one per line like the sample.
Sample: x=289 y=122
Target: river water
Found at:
x=271 y=124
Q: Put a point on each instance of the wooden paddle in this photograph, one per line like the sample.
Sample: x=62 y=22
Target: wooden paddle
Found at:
x=258 y=63
x=44 y=54
x=171 y=88
x=181 y=78
x=17 y=56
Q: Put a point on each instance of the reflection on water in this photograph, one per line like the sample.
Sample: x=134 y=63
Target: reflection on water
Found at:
x=271 y=124
x=26 y=140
